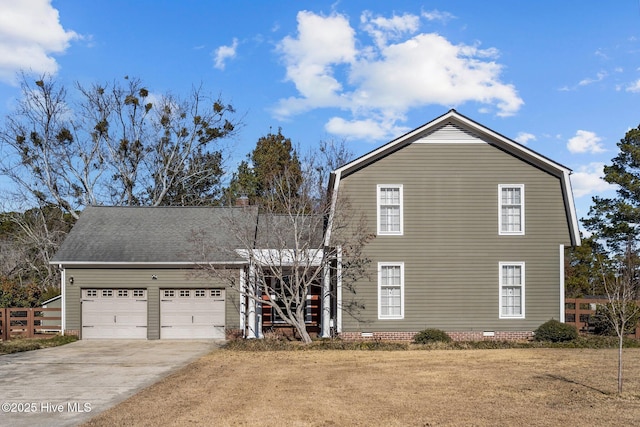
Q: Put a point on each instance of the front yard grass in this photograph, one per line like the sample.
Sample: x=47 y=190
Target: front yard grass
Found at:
x=16 y=345
x=506 y=387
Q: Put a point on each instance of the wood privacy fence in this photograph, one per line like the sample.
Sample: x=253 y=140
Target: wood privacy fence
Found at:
x=577 y=312
x=28 y=322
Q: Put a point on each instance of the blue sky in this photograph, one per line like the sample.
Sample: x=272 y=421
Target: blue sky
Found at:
x=561 y=77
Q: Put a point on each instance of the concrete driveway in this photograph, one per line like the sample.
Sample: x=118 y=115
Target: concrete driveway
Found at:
x=67 y=385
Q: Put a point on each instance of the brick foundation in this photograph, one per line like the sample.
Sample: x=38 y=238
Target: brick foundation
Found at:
x=72 y=332
x=455 y=335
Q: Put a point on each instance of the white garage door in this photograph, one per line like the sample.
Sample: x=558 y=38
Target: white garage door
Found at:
x=114 y=313
x=192 y=313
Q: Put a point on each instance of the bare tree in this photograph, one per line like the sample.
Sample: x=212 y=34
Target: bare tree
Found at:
x=286 y=251
x=621 y=312
x=113 y=144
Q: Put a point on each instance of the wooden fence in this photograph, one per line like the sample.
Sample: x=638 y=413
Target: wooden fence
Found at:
x=28 y=322
x=577 y=312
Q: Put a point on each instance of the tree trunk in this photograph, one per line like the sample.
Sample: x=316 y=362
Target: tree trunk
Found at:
x=301 y=327
x=620 y=342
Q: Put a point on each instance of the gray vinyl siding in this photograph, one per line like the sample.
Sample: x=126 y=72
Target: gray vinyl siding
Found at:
x=142 y=278
x=450 y=247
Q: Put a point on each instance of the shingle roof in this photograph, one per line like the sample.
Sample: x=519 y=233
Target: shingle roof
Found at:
x=156 y=234
x=277 y=231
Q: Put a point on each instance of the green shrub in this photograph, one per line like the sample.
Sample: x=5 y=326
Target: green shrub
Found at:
x=430 y=335
x=555 y=331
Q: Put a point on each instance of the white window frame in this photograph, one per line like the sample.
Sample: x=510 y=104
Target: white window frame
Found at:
x=381 y=265
x=378 y=190
x=522 y=204
x=501 y=284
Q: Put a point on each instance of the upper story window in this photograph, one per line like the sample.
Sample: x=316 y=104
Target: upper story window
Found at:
x=511 y=209
x=390 y=209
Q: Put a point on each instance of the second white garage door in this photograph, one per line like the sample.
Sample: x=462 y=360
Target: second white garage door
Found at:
x=192 y=314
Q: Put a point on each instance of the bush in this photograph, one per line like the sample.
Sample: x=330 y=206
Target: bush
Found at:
x=431 y=335
x=555 y=331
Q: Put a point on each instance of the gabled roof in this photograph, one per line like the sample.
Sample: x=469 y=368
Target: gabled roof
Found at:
x=453 y=119
x=155 y=235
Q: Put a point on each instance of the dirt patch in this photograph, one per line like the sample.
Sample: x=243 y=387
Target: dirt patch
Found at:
x=535 y=387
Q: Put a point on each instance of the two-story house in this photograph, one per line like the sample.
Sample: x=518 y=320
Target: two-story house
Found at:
x=470 y=233
x=470 y=229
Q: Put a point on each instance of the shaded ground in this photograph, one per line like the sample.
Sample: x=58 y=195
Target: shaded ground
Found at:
x=537 y=387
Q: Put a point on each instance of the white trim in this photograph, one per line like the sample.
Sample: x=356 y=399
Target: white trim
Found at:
x=339 y=290
x=570 y=204
x=143 y=263
x=283 y=257
x=401 y=196
x=63 y=288
x=561 y=283
x=521 y=264
x=50 y=300
x=522 y=210
x=391 y=264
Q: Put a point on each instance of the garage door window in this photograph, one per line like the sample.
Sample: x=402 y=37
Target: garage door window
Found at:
x=91 y=292
x=216 y=292
x=107 y=292
x=123 y=293
x=200 y=293
x=138 y=293
x=185 y=293
x=169 y=293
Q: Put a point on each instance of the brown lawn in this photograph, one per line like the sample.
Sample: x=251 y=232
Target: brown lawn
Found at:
x=516 y=387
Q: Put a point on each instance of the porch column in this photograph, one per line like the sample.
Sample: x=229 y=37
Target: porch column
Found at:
x=243 y=302
x=325 y=322
x=251 y=292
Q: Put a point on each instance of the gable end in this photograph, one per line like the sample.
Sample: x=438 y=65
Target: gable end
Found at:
x=450 y=133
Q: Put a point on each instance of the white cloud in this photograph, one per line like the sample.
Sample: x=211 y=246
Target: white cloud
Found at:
x=524 y=137
x=331 y=68
x=223 y=53
x=370 y=128
x=436 y=15
x=383 y=29
x=585 y=142
x=634 y=87
x=30 y=32
x=599 y=77
x=588 y=180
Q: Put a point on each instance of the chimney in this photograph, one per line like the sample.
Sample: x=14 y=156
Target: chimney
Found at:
x=242 y=201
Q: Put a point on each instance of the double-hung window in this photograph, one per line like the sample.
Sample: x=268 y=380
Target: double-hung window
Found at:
x=511 y=290
x=390 y=209
x=390 y=290
x=511 y=209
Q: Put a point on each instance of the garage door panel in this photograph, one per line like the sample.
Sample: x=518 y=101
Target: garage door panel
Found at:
x=192 y=314
x=114 y=314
